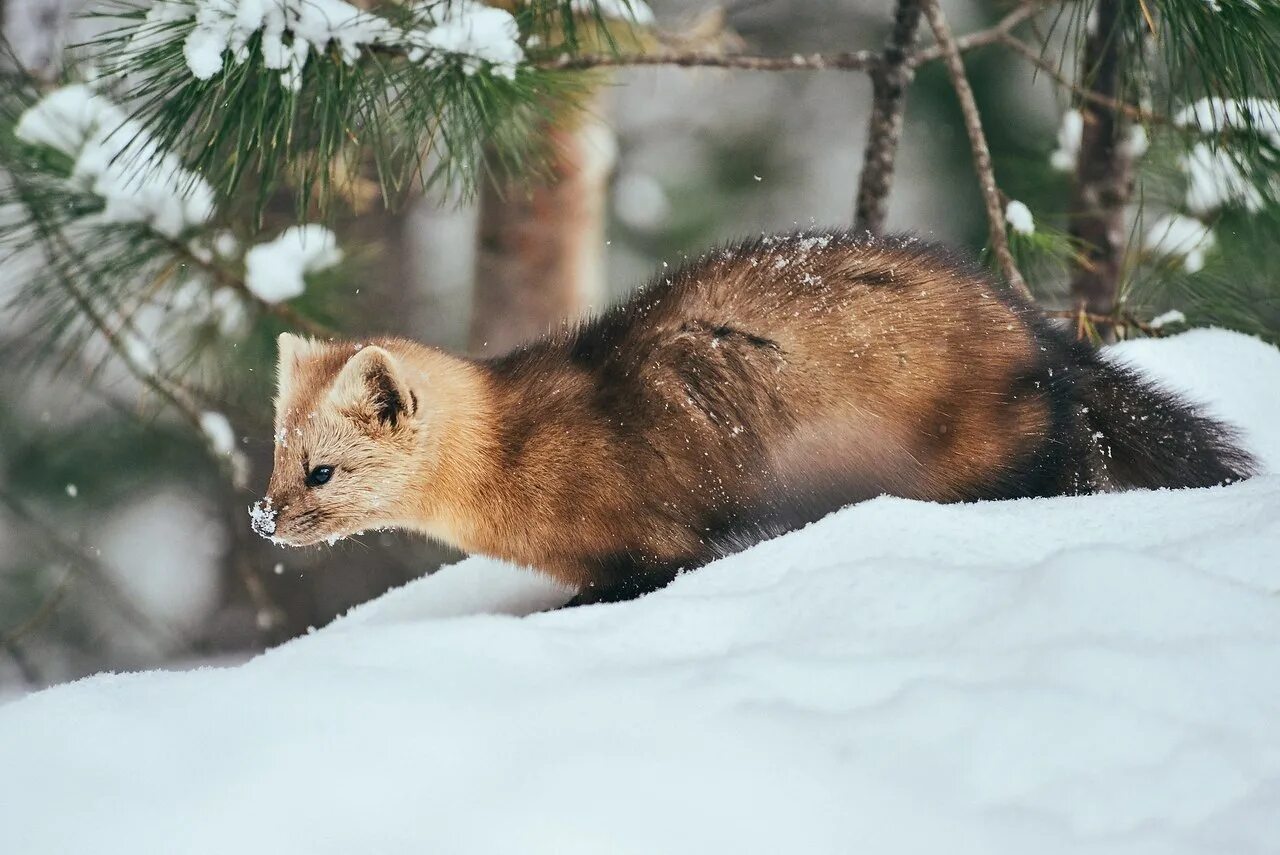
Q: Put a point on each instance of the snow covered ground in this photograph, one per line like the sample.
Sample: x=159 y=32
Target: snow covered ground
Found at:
x=1097 y=674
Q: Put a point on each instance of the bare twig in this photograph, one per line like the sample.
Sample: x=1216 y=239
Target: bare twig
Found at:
x=1118 y=320
x=864 y=60
x=1085 y=94
x=889 y=81
x=978 y=142
x=981 y=38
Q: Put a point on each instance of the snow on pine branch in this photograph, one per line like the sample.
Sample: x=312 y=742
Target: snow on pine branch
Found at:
x=1181 y=237
x=1217 y=175
x=290 y=30
x=474 y=33
x=636 y=11
x=1019 y=218
x=1070 y=135
x=117 y=160
x=1214 y=115
x=275 y=270
x=141 y=183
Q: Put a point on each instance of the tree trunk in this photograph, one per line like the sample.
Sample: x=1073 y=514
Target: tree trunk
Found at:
x=889 y=82
x=1104 y=168
x=540 y=254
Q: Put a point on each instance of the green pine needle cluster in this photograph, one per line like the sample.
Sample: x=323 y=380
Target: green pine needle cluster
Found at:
x=1220 y=60
x=421 y=123
x=80 y=277
x=412 y=124
x=1227 y=48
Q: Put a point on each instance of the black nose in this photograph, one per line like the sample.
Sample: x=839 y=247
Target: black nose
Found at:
x=262 y=517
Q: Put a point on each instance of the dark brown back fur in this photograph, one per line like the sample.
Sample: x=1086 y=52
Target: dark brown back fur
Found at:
x=771 y=382
x=747 y=393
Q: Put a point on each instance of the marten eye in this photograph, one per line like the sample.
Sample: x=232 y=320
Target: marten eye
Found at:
x=319 y=476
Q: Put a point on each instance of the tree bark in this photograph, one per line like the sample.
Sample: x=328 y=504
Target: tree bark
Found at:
x=1104 y=168
x=889 y=82
x=540 y=254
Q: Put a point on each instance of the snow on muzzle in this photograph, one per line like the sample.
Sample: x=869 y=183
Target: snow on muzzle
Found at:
x=262 y=518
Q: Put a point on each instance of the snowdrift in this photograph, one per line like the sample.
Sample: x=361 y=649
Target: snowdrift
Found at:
x=1096 y=674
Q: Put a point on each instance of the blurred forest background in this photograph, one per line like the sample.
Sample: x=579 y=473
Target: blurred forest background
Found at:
x=124 y=545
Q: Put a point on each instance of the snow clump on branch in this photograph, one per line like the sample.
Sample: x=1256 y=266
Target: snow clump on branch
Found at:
x=1213 y=115
x=1182 y=237
x=1070 y=134
x=1215 y=176
x=1019 y=218
x=291 y=29
x=274 y=271
x=118 y=161
x=476 y=34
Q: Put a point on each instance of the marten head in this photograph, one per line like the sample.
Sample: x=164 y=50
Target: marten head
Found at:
x=348 y=430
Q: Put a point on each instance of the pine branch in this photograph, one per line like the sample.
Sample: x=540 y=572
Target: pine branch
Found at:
x=1084 y=93
x=997 y=235
x=1116 y=320
x=889 y=81
x=1213 y=47
x=401 y=98
x=243 y=122
x=69 y=266
x=223 y=276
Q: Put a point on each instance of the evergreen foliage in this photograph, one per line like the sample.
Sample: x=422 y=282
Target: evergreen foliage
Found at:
x=1203 y=79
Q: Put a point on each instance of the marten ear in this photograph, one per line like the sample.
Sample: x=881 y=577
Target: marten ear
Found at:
x=291 y=350
x=371 y=387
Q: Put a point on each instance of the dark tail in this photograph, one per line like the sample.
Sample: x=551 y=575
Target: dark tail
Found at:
x=1146 y=437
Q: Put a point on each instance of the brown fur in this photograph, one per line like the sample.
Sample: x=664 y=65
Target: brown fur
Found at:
x=752 y=391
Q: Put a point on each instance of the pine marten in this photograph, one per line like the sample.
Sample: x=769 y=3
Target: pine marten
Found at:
x=745 y=394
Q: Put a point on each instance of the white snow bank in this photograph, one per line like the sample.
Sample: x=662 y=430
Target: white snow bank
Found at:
x=1092 y=674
